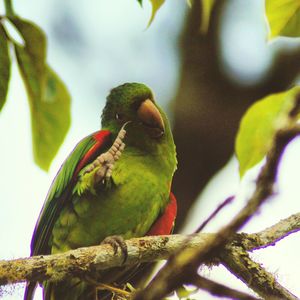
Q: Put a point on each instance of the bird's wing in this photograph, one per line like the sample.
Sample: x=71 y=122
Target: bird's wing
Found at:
x=84 y=152
x=59 y=194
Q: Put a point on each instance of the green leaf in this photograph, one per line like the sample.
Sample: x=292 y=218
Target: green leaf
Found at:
x=283 y=17
x=189 y=2
x=51 y=120
x=4 y=66
x=206 y=9
x=156 y=4
x=183 y=293
x=258 y=126
x=48 y=97
x=32 y=57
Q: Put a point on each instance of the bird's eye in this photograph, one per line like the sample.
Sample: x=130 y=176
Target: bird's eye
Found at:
x=118 y=116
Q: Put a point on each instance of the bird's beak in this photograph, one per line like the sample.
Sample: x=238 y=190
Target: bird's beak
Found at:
x=151 y=118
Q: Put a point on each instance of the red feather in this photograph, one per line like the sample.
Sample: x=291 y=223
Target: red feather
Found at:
x=165 y=223
x=101 y=137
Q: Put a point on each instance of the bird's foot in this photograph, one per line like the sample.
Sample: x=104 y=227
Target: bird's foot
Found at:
x=116 y=241
x=105 y=162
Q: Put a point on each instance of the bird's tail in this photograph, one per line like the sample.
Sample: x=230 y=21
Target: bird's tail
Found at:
x=29 y=290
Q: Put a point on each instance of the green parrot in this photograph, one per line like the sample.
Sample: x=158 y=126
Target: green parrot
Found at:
x=116 y=182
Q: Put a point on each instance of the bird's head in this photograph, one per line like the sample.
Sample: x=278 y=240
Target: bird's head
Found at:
x=134 y=103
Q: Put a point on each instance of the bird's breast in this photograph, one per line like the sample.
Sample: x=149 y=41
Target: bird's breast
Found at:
x=138 y=193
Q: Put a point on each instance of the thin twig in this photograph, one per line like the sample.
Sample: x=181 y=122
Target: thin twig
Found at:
x=113 y=289
x=215 y=212
x=218 y=289
x=9 y=8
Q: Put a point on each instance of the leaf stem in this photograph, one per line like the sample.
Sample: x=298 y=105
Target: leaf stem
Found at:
x=9 y=8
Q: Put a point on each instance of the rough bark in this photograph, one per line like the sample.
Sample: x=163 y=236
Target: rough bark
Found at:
x=86 y=261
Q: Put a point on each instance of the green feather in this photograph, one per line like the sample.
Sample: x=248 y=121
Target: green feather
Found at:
x=86 y=182
x=53 y=204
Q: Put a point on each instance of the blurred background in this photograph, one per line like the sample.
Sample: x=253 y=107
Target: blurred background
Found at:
x=204 y=82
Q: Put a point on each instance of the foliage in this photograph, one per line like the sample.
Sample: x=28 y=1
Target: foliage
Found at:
x=183 y=293
x=258 y=126
x=4 y=66
x=206 y=9
x=48 y=97
x=283 y=18
x=156 y=4
x=261 y=120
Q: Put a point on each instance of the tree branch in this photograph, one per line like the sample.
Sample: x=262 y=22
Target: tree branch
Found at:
x=88 y=260
x=270 y=236
x=215 y=212
x=218 y=289
x=83 y=261
x=239 y=263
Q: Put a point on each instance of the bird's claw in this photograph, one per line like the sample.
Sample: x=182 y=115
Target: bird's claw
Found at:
x=106 y=160
x=116 y=242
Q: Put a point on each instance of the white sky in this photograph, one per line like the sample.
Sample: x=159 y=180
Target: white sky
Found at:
x=118 y=49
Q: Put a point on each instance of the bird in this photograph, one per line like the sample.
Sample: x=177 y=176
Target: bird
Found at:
x=115 y=183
